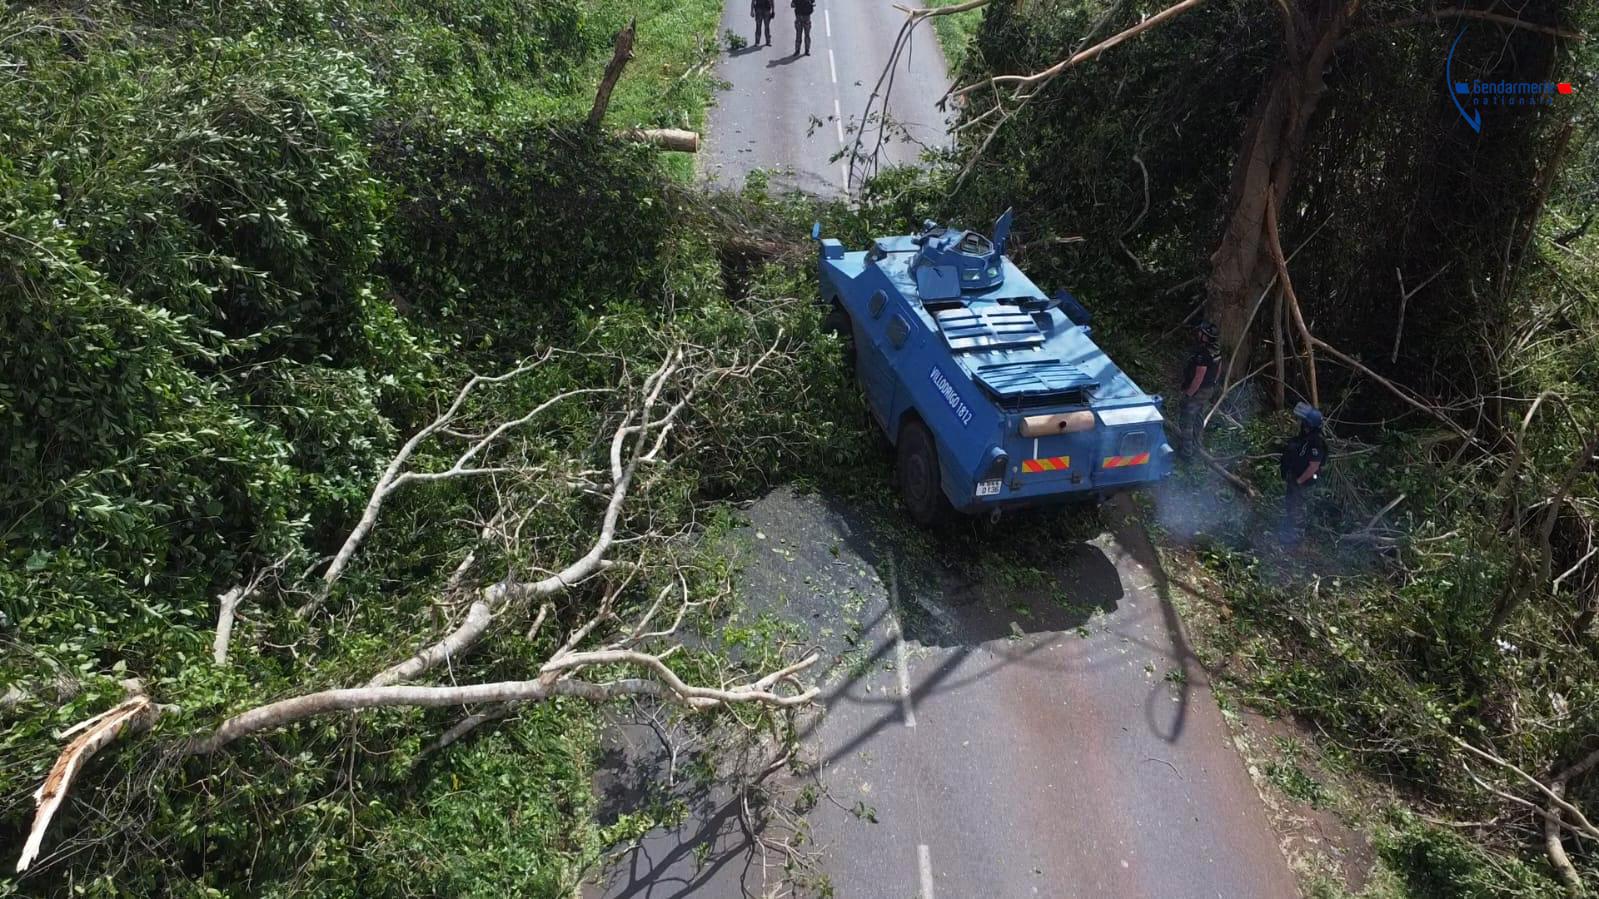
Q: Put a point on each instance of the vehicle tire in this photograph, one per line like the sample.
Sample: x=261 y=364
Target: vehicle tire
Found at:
x=837 y=321
x=917 y=471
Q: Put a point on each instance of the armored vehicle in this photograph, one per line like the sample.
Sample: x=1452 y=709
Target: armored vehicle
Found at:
x=993 y=394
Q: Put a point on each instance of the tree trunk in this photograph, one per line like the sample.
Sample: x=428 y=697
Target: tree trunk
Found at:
x=622 y=52
x=1242 y=266
x=673 y=139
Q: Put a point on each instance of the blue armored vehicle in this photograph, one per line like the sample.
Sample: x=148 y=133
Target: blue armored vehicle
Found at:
x=993 y=394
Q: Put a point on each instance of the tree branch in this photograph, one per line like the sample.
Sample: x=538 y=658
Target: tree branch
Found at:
x=1042 y=77
x=134 y=714
x=298 y=708
x=1274 y=245
x=386 y=482
x=1483 y=14
x=1557 y=801
x=620 y=54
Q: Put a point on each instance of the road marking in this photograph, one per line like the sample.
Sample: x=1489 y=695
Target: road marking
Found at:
x=827 y=22
x=838 y=119
x=832 y=66
x=924 y=861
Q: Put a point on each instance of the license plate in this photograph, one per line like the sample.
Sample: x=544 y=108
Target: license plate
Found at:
x=989 y=488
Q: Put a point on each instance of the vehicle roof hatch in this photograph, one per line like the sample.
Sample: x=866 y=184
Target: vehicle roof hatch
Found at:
x=1033 y=377
x=988 y=328
x=938 y=282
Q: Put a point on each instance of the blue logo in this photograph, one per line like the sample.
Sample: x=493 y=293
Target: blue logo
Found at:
x=947 y=391
x=1477 y=94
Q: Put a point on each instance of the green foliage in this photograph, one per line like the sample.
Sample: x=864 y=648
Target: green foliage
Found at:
x=1120 y=171
x=243 y=251
x=496 y=816
x=1435 y=863
x=508 y=238
x=955 y=32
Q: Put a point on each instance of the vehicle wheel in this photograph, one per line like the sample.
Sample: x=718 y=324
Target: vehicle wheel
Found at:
x=918 y=474
x=838 y=322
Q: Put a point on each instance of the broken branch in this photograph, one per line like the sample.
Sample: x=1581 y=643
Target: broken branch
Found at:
x=299 y=708
x=1274 y=244
x=134 y=714
x=620 y=54
x=1044 y=76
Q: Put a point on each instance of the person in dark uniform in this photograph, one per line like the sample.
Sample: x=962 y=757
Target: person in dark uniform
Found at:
x=1303 y=458
x=763 y=11
x=802 y=24
x=1198 y=381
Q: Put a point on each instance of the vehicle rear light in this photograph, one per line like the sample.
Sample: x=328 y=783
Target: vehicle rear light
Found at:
x=1062 y=423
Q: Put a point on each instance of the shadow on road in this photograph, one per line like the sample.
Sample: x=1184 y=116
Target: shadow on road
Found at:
x=1079 y=610
x=654 y=762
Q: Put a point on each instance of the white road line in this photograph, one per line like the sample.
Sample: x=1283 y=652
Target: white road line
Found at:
x=843 y=177
x=838 y=119
x=924 y=861
x=827 y=22
x=832 y=66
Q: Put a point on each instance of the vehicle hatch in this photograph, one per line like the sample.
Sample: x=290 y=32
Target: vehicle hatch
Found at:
x=1033 y=377
x=988 y=328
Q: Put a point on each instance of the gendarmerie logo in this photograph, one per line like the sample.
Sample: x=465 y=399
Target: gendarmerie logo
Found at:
x=1471 y=97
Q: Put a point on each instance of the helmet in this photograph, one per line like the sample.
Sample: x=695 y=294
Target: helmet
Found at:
x=1310 y=415
x=1207 y=331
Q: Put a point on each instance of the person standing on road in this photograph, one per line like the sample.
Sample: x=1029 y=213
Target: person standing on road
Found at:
x=802 y=24
x=1302 y=459
x=763 y=11
x=1199 y=378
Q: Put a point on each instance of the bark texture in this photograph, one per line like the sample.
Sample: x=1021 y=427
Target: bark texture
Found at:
x=1273 y=140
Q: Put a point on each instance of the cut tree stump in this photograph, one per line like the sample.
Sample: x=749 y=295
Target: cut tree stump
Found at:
x=665 y=138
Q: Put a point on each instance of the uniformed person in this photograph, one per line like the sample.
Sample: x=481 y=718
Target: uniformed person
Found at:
x=1198 y=381
x=802 y=24
x=1303 y=458
x=763 y=11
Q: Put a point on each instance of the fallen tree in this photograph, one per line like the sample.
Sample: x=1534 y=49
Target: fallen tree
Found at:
x=619 y=648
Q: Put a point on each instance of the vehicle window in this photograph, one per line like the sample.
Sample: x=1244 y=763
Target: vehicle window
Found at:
x=875 y=304
x=898 y=330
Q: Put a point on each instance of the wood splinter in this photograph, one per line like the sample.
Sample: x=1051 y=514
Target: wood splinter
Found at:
x=136 y=713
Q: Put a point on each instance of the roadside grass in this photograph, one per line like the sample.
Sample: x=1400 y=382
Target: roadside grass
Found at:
x=955 y=32
x=671 y=80
x=1304 y=649
x=669 y=83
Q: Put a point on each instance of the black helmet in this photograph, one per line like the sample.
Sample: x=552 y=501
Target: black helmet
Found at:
x=1207 y=331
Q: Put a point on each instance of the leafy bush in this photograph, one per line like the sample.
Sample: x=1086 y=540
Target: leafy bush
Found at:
x=244 y=250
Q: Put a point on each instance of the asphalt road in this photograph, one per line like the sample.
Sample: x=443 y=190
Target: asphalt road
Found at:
x=793 y=115
x=976 y=738
x=979 y=739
